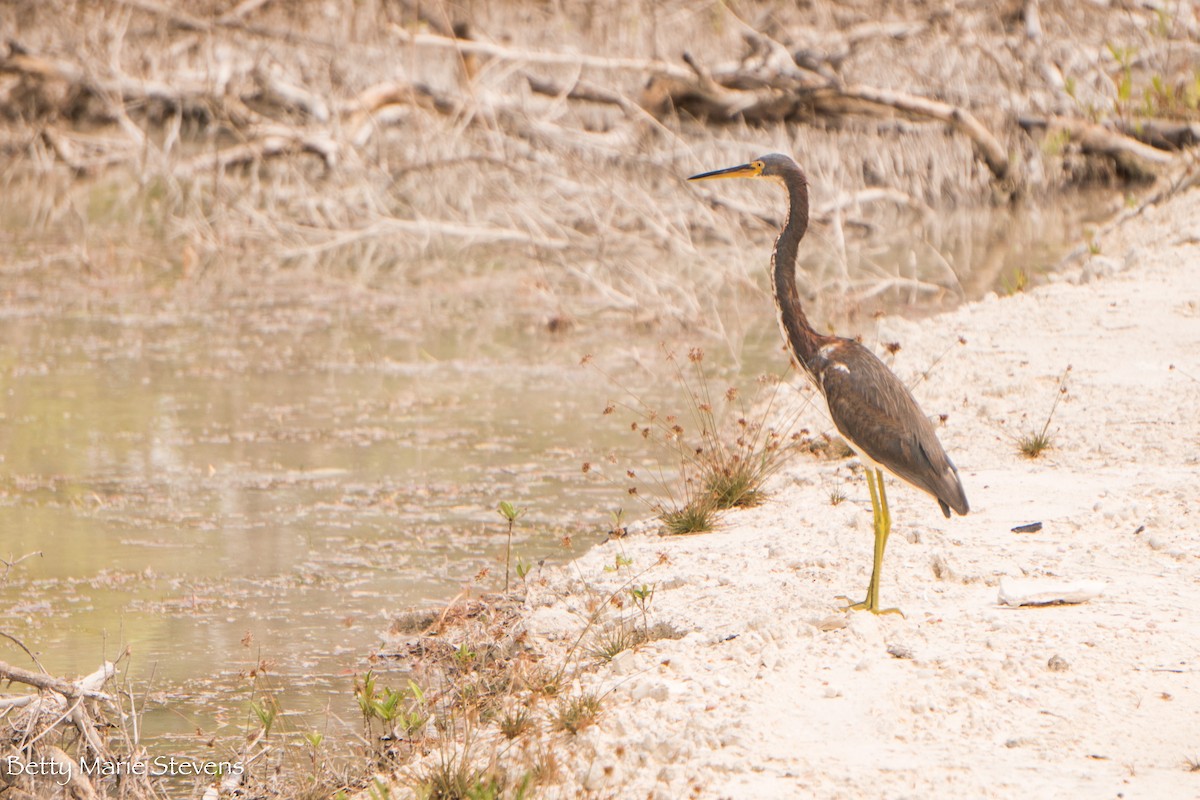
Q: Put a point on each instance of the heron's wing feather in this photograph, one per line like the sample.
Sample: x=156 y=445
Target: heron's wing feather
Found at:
x=876 y=413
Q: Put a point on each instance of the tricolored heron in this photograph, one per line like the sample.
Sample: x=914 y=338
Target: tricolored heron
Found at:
x=871 y=408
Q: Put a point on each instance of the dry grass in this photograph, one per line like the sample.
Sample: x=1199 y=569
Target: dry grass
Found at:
x=1034 y=443
x=501 y=710
x=581 y=200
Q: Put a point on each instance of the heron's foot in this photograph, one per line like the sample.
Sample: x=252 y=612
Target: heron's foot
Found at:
x=867 y=605
x=863 y=606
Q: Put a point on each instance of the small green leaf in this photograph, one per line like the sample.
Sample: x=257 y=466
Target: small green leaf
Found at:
x=509 y=511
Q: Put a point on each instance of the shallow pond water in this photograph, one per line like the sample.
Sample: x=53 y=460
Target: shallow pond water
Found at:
x=212 y=502
x=219 y=492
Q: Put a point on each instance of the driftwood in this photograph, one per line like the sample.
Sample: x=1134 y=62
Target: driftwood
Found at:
x=1161 y=133
x=1130 y=155
x=279 y=90
x=85 y=687
x=72 y=776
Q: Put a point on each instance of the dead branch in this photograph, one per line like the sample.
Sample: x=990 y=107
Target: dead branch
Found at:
x=10 y=564
x=1129 y=154
x=1162 y=134
x=88 y=686
x=781 y=89
x=715 y=102
x=874 y=288
x=960 y=118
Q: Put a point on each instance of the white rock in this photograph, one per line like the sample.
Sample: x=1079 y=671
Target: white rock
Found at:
x=769 y=657
x=1015 y=592
x=622 y=663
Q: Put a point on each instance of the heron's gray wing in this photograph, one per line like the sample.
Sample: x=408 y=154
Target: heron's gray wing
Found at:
x=876 y=413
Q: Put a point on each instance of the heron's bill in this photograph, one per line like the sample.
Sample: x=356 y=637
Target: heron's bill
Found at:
x=741 y=171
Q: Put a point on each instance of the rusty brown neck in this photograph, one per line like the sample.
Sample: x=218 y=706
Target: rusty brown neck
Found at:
x=803 y=341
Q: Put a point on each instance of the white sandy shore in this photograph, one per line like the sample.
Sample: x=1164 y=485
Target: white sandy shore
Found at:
x=766 y=697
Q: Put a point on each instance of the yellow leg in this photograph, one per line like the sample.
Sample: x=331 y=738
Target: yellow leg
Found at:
x=883 y=528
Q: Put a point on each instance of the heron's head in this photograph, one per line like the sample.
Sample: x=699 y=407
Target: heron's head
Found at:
x=772 y=165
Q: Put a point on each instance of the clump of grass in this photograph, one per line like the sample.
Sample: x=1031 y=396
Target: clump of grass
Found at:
x=542 y=681
x=734 y=485
x=696 y=516
x=837 y=495
x=1034 y=443
x=1015 y=282
x=449 y=778
x=576 y=713
x=1192 y=763
x=455 y=777
x=610 y=642
x=731 y=468
x=516 y=722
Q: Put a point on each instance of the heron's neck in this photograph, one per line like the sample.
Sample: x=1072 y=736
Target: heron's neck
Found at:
x=803 y=341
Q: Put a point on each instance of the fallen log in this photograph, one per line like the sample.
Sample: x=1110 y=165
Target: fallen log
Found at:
x=1130 y=155
x=1163 y=134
